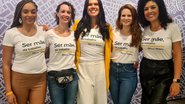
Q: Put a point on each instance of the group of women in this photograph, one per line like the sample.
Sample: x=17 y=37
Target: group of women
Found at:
x=91 y=58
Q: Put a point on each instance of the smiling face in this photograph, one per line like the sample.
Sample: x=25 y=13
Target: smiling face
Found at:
x=93 y=8
x=126 y=17
x=64 y=14
x=151 y=11
x=29 y=14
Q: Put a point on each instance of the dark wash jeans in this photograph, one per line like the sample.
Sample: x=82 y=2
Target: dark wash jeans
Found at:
x=156 y=77
x=123 y=82
x=63 y=94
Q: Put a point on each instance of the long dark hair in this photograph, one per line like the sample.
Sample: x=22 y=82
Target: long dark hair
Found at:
x=135 y=28
x=85 y=22
x=164 y=17
x=17 y=14
x=72 y=12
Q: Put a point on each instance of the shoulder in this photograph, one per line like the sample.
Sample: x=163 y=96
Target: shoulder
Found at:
x=12 y=30
x=172 y=25
x=146 y=29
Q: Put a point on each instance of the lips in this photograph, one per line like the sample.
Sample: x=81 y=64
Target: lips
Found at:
x=93 y=10
x=30 y=19
x=150 y=15
x=66 y=18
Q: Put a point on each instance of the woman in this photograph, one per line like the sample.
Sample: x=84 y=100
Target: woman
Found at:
x=25 y=76
x=160 y=68
x=93 y=37
x=62 y=49
x=123 y=68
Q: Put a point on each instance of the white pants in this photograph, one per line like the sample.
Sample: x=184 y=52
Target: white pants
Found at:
x=92 y=83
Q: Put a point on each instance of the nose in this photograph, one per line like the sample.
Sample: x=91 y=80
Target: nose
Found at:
x=30 y=13
x=66 y=13
x=149 y=10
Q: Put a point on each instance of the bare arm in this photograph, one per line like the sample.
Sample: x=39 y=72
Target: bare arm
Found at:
x=7 y=58
x=177 y=56
x=47 y=52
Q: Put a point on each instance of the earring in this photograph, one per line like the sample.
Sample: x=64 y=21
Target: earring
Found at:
x=20 y=20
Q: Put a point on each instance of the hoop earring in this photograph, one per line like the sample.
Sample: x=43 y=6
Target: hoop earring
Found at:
x=20 y=20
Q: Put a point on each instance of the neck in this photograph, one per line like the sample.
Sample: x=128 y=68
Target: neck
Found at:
x=93 y=23
x=125 y=31
x=155 y=26
x=62 y=28
x=28 y=28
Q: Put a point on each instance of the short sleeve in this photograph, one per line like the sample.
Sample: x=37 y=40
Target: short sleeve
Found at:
x=8 y=39
x=175 y=32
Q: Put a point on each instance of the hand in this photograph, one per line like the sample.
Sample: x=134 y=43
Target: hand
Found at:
x=174 y=89
x=136 y=64
x=12 y=99
x=45 y=27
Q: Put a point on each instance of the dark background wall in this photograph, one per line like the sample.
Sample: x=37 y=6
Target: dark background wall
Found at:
x=176 y=8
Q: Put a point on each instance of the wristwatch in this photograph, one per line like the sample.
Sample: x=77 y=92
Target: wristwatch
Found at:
x=176 y=80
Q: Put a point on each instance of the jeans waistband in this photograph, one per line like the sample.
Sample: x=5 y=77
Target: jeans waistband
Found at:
x=150 y=60
x=62 y=72
x=122 y=63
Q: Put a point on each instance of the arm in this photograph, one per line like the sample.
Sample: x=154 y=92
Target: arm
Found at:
x=7 y=58
x=47 y=52
x=177 y=56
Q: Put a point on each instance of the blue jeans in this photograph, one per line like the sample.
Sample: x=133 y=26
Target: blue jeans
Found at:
x=123 y=82
x=62 y=94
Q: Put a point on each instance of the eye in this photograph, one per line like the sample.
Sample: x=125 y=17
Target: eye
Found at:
x=25 y=11
x=145 y=9
x=123 y=15
x=96 y=4
x=34 y=11
x=153 y=7
x=63 y=11
x=68 y=12
x=90 y=4
x=129 y=15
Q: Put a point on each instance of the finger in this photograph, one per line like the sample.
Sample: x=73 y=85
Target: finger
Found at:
x=171 y=93
x=15 y=101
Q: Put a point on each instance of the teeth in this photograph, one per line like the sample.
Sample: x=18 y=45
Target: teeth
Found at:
x=150 y=15
x=93 y=10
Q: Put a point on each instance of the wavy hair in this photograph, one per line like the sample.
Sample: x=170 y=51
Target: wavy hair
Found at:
x=164 y=17
x=84 y=25
x=72 y=12
x=135 y=28
x=17 y=13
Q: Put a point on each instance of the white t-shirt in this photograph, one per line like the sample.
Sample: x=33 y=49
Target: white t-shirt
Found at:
x=122 y=51
x=62 y=51
x=29 y=52
x=158 y=45
x=92 y=46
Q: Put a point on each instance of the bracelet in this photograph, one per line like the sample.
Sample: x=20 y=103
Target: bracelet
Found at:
x=176 y=80
x=9 y=93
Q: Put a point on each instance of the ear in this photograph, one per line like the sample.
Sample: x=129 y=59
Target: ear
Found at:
x=57 y=14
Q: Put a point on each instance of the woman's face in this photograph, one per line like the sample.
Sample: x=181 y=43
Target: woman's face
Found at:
x=151 y=11
x=64 y=14
x=29 y=14
x=93 y=8
x=126 y=17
